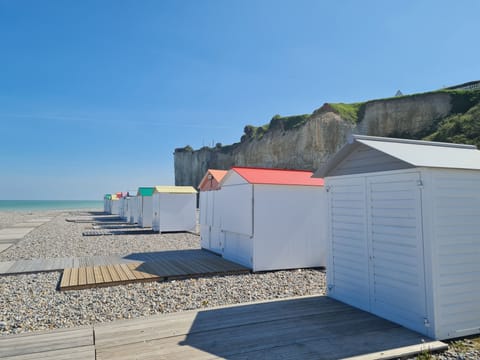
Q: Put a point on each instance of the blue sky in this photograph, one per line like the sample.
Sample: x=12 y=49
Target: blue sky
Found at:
x=96 y=95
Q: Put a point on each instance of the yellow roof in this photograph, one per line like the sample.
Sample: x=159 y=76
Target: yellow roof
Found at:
x=175 y=189
x=114 y=197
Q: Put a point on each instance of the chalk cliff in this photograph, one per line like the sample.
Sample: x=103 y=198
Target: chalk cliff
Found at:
x=306 y=142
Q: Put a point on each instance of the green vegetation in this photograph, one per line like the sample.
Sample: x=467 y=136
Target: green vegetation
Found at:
x=187 y=148
x=284 y=123
x=459 y=128
x=349 y=112
x=463 y=100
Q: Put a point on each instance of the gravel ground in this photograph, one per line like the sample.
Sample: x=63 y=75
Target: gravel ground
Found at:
x=60 y=238
x=31 y=302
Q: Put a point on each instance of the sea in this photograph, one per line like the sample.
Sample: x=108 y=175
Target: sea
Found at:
x=32 y=205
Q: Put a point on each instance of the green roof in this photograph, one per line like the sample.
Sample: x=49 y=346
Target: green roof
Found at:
x=145 y=191
x=108 y=196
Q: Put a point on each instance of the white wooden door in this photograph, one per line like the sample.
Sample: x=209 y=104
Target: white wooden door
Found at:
x=347 y=268
x=395 y=241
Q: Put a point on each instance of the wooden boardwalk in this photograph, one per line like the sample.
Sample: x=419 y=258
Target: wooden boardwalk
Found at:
x=57 y=264
x=155 y=267
x=15 y=233
x=300 y=328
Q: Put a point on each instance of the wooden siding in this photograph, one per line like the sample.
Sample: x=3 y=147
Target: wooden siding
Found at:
x=237 y=209
x=347 y=277
x=456 y=229
x=365 y=160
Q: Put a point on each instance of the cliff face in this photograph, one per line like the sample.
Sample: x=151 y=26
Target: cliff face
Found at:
x=309 y=145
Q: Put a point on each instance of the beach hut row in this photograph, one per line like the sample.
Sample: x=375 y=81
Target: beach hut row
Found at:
x=162 y=208
x=395 y=221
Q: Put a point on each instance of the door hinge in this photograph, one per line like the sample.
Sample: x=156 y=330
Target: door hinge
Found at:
x=328 y=188
x=420 y=183
x=330 y=287
x=426 y=322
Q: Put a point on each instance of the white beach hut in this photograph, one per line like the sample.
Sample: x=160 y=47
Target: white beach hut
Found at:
x=115 y=205
x=404 y=232
x=133 y=210
x=122 y=207
x=107 y=203
x=210 y=231
x=269 y=221
x=129 y=203
x=145 y=206
x=174 y=208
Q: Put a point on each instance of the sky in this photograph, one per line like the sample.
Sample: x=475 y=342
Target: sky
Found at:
x=96 y=95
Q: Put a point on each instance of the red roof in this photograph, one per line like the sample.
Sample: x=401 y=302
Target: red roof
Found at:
x=218 y=174
x=208 y=184
x=278 y=176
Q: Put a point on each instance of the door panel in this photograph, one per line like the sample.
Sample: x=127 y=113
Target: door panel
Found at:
x=395 y=241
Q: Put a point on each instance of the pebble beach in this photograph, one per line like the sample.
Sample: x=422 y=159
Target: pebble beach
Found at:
x=31 y=302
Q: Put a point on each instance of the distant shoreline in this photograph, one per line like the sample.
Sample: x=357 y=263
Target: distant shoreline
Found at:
x=41 y=205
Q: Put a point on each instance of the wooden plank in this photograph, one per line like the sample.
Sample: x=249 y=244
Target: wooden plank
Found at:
x=31 y=343
x=139 y=274
x=98 y=275
x=113 y=273
x=82 y=276
x=105 y=274
x=5 y=266
x=120 y=272
x=76 y=353
x=65 y=282
x=126 y=270
x=90 y=275
x=74 y=277
x=403 y=352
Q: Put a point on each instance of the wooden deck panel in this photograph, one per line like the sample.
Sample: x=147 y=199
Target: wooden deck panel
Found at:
x=163 y=267
x=298 y=328
x=315 y=327
x=44 y=344
x=76 y=353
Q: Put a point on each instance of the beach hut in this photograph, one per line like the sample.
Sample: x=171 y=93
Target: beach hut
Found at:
x=404 y=232
x=115 y=205
x=174 y=208
x=129 y=203
x=106 y=203
x=134 y=210
x=269 y=218
x=145 y=206
x=210 y=234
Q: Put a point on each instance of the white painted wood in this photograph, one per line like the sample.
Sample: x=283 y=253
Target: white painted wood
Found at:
x=348 y=272
x=145 y=211
x=397 y=281
x=422 y=237
x=289 y=227
x=269 y=227
x=174 y=212
x=115 y=207
x=236 y=206
x=455 y=205
x=210 y=218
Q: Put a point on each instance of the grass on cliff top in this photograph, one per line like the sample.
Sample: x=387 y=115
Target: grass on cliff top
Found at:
x=283 y=123
x=459 y=128
x=349 y=112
